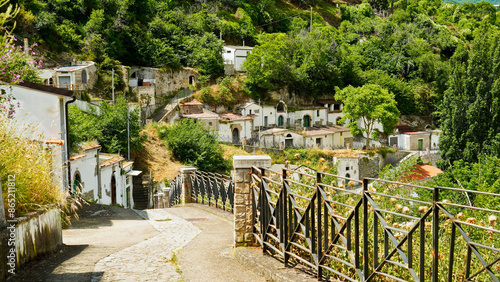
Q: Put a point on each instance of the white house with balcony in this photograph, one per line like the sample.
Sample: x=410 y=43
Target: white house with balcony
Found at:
x=234 y=57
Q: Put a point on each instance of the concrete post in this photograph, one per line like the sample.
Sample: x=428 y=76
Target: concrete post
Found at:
x=242 y=196
x=186 y=183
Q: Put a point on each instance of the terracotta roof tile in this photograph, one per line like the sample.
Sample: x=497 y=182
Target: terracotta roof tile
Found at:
x=112 y=161
x=127 y=164
x=77 y=157
x=55 y=141
x=86 y=148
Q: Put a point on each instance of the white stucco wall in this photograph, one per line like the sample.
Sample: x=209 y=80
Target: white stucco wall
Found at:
x=46 y=114
x=86 y=167
x=226 y=133
x=347 y=166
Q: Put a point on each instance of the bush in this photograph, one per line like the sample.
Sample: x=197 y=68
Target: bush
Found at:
x=194 y=145
x=31 y=165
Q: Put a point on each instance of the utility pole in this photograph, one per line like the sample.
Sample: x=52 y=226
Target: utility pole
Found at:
x=128 y=132
x=113 y=84
x=311 y=24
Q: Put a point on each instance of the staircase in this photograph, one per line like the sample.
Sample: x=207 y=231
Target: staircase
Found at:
x=141 y=192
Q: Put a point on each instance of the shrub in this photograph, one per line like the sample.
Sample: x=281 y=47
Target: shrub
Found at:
x=194 y=145
x=31 y=166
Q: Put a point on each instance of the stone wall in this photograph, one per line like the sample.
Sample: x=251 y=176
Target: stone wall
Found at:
x=243 y=227
x=29 y=237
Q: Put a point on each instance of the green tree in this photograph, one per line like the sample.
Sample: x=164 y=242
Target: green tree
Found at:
x=470 y=111
x=369 y=104
x=108 y=126
x=193 y=144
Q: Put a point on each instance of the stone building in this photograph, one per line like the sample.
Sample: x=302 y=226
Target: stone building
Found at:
x=78 y=76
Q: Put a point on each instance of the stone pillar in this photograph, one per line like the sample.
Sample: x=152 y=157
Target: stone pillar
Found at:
x=186 y=183
x=242 y=197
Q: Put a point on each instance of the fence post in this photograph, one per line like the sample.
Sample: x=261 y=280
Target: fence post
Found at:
x=365 y=229
x=243 y=226
x=186 y=183
x=435 y=235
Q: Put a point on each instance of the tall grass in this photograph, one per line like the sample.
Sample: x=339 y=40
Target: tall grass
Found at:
x=25 y=158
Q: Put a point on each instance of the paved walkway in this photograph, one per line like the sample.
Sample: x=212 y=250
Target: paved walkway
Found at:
x=151 y=260
x=177 y=244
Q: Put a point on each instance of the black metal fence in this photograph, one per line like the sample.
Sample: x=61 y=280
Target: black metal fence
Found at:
x=213 y=189
x=174 y=196
x=384 y=231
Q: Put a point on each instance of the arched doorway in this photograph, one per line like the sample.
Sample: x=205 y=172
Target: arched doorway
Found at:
x=236 y=136
x=337 y=121
x=307 y=121
x=113 y=189
x=191 y=80
x=280 y=121
x=77 y=183
x=288 y=141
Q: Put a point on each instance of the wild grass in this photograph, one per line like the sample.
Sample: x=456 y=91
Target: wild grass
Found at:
x=31 y=165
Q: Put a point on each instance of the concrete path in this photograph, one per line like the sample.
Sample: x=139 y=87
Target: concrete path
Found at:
x=177 y=244
x=153 y=259
x=210 y=256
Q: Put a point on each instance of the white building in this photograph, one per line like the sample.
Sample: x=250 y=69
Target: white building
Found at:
x=234 y=57
x=327 y=137
x=79 y=76
x=235 y=128
x=104 y=178
x=45 y=108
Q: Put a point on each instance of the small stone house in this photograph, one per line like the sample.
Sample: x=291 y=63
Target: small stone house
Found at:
x=79 y=76
x=234 y=128
x=192 y=107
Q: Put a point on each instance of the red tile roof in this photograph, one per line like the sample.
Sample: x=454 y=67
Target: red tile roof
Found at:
x=193 y=102
x=425 y=171
x=127 y=164
x=112 y=161
x=77 y=157
x=205 y=115
x=86 y=148
x=233 y=117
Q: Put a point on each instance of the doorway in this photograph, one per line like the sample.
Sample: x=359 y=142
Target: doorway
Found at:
x=236 y=136
x=113 y=189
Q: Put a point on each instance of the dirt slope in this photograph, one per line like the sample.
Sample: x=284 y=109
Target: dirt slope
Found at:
x=156 y=157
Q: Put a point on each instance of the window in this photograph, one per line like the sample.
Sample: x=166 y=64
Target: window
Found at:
x=210 y=123
x=337 y=121
x=318 y=141
x=84 y=77
x=346 y=168
x=250 y=112
x=336 y=107
x=229 y=51
x=191 y=80
x=317 y=113
x=347 y=175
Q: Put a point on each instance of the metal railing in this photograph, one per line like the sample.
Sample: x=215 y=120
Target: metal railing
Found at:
x=213 y=189
x=174 y=196
x=384 y=231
